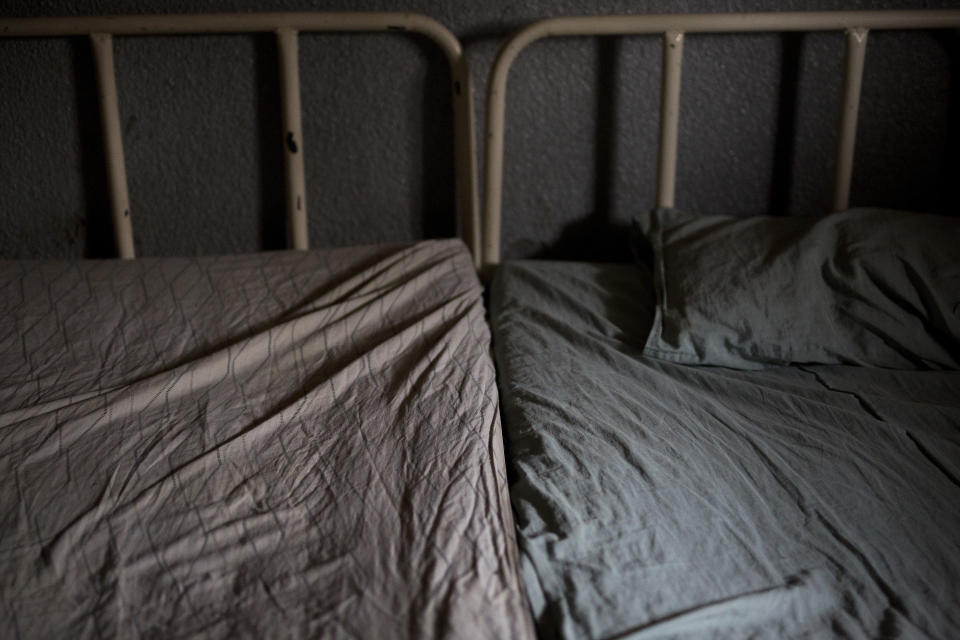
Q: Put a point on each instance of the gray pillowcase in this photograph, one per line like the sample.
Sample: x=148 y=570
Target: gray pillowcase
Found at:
x=866 y=286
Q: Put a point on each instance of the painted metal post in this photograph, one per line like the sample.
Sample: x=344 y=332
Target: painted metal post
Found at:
x=466 y=159
x=669 y=117
x=113 y=144
x=847 y=133
x=295 y=181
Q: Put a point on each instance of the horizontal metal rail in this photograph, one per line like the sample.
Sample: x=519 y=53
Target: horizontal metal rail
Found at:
x=673 y=27
x=286 y=25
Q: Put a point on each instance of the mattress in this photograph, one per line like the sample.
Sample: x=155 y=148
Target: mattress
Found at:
x=291 y=444
x=659 y=500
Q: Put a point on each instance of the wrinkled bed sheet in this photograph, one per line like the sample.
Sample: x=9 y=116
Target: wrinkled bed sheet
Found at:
x=293 y=444
x=656 y=500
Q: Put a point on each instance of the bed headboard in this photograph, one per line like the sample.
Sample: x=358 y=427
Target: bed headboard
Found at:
x=672 y=28
x=286 y=26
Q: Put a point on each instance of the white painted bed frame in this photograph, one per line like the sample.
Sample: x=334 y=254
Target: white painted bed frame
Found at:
x=286 y=26
x=672 y=28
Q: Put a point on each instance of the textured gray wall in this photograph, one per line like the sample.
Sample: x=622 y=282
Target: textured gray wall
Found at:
x=201 y=127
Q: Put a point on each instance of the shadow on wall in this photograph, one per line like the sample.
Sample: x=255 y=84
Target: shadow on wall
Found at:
x=436 y=195
x=907 y=154
x=434 y=191
x=598 y=237
x=99 y=229
x=433 y=181
x=273 y=232
x=949 y=200
x=786 y=124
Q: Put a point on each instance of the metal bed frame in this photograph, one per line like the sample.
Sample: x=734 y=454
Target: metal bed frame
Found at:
x=672 y=28
x=286 y=26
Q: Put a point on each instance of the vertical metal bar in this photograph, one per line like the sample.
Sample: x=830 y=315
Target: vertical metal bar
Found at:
x=493 y=161
x=846 y=136
x=669 y=117
x=493 y=151
x=292 y=139
x=466 y=159
x=113 y=144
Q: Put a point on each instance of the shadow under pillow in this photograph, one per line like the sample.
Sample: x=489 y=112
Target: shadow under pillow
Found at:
x=865 y=286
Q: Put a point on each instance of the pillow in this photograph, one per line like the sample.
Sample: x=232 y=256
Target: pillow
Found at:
x=866 y=286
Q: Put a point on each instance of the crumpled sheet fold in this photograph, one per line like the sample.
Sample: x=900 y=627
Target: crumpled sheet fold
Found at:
x=291 y=444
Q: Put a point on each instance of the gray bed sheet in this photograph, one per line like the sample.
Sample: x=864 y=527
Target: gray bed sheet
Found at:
x=657 y=500
x=281 y=445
